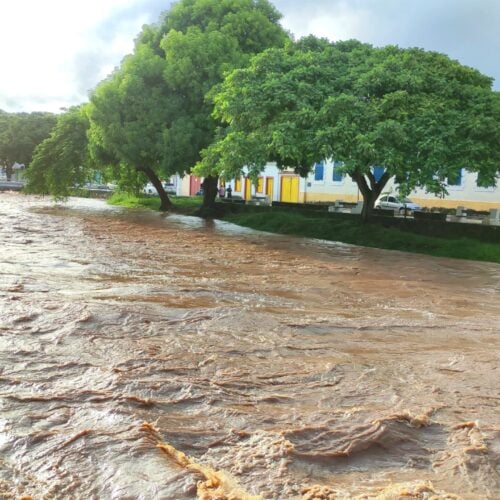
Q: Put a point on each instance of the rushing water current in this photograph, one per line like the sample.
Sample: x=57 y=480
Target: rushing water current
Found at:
x=151 y=356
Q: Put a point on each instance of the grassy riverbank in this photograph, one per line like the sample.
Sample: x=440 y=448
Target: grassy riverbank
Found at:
x=454 y=242
x=187 y=205
x=369 y=234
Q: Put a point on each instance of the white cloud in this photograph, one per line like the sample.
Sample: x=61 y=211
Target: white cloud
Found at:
x=337 y=22
x=466 y=30
x=57 y=50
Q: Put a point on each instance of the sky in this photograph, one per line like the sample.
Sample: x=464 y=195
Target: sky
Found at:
x=54 y=52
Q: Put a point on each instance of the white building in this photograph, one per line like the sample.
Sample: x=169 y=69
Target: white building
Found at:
x=327 y=184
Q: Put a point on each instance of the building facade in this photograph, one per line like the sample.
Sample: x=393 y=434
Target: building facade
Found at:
x=327 y=184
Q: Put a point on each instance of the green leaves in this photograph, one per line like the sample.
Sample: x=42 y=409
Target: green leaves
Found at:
x=128 y=114
x=61 y=161
x=204 y=40
x=20 y=133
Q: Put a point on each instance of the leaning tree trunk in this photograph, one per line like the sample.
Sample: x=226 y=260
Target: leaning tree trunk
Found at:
x=370 y=190
x=210 y=191
x=165 y=203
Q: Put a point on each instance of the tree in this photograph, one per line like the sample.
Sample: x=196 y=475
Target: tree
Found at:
x=20 y=133
x=419 y=115
x=128 y=113
x=154 y=112
x=61 y=160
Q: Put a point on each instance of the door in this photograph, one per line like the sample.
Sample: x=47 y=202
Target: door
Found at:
x=248 y=189
x=194 y=185
x=270 y=187
x=290 y=189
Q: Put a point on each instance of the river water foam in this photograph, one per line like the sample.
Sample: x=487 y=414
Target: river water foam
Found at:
x=152 y=356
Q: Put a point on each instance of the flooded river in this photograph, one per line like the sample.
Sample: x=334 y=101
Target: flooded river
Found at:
x=165 y=357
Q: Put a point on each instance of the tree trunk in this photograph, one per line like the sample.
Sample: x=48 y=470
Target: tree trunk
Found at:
x=369 y=200
x=165 y=203
x=371 y=191
x=210 y=191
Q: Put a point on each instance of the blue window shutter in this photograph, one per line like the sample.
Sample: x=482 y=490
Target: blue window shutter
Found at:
x=337 y=176
x=378 y=172
x=319 y=170
x=456 y=180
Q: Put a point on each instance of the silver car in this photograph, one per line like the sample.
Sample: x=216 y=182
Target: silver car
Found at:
x=402 y=205
x=151 y=190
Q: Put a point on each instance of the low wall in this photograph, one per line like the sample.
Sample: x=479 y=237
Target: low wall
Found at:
x=11 y=185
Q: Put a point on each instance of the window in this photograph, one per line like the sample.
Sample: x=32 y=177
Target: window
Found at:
x=260 y=185
x=455 y=180
x=485 y=183
x=237 y=184
x=319 y=171
x=337 y=175
x=378 y=172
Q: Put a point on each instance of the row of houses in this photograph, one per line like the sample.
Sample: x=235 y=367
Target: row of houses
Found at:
x=327 y=184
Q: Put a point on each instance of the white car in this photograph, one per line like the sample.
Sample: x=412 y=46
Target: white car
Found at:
x=151 y=190
x=391 y=202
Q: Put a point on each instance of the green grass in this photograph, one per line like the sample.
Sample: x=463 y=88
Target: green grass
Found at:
x=183 y=204
x=353 y=230
x=346 y=229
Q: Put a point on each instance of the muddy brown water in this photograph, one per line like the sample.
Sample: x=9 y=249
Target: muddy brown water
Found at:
x=151 y=356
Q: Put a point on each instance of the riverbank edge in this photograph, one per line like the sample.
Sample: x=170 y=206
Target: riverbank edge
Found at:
x=406 y=236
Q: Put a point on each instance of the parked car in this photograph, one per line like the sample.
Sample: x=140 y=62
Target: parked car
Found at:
x=391 y=202
x=94 y=186
x=149 y=188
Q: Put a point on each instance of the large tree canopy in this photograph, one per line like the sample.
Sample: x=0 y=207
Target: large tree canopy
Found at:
x=153 y=113
x=128 y=114
x=418 y=114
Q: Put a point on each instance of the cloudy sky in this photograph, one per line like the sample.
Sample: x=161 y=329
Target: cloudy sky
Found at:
x=54 y=51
